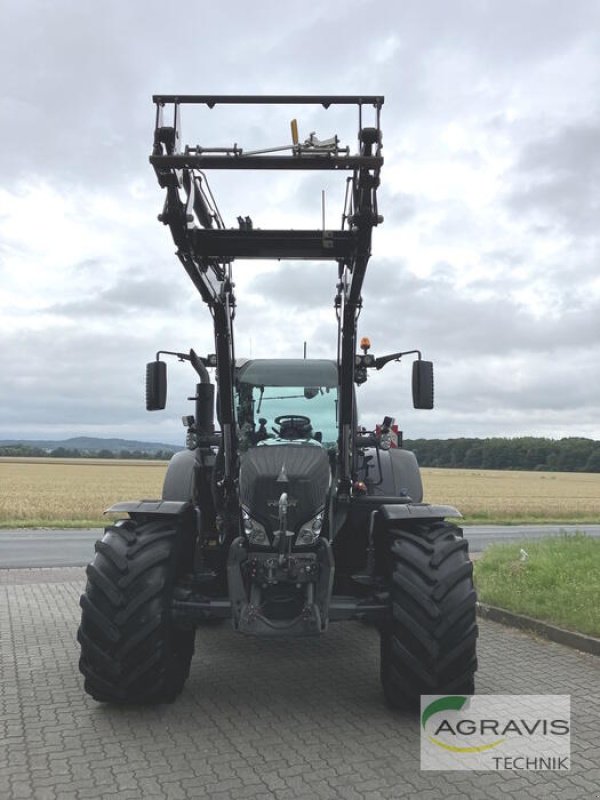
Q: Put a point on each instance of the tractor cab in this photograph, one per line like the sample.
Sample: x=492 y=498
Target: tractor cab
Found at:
x=283 y=401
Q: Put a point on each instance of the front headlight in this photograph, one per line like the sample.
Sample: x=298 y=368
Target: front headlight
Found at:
x=255 y=532
x=310 y=531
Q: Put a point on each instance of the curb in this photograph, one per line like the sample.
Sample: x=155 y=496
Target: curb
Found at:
x=577 y=641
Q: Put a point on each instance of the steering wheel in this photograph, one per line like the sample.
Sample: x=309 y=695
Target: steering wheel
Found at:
x=292 y=418
x=293 y=426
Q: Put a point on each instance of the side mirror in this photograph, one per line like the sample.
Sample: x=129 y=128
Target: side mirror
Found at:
x=422 y=384
x=156 y=385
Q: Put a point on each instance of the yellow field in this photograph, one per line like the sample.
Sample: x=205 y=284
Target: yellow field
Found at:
x=516 y=496
x=40 y=492
x=43 y=491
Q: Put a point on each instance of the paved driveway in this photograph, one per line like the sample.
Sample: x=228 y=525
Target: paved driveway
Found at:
x=257 y=719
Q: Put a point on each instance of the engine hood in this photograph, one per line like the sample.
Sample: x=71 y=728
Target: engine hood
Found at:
x=301 y=470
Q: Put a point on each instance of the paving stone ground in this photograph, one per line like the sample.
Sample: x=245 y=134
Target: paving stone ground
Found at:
x=257 y=719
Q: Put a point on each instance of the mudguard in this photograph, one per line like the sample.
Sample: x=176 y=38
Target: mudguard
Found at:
x=393 y=473
x=405 y=474
x=179 y=480
x=148 y=507
x=403 y=512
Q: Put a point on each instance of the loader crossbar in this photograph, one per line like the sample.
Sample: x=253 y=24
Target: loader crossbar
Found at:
x=232 y=159
x=271 y=99
x=313 y=245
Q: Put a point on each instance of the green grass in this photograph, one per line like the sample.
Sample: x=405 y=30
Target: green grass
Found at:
x=559 y=582
x=527 y=519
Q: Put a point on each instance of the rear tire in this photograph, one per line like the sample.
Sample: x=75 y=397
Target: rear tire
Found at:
x=429 y=647
x=131 y=652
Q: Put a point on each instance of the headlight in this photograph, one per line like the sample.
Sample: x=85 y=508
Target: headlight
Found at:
x=255 y=532
x=310 y=531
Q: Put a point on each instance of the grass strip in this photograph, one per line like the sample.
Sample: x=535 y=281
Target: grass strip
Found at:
x=557 y=581
x=51 y=524
x=528 y=519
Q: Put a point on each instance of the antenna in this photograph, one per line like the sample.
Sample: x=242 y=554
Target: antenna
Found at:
x=304 y=349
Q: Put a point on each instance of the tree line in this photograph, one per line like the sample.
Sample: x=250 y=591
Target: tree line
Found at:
x=26 y=451
x=525 y=453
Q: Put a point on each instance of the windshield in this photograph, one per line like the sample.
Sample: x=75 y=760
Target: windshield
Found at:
x=313 y=407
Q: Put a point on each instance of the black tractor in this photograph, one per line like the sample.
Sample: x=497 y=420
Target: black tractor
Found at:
x=282 y=514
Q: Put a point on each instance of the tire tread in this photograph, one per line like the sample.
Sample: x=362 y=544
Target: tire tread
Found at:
x=130 y=650
x=429 y=646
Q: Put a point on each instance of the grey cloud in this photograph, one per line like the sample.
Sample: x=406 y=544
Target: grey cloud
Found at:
x=475 y=397
x=60 y=375
x=296 y=286
x=507 y=256
x=77 y=112
x=400 y=207
x=559 y=175
x=451 y=320
x=83 y=379
x=568 y=150
x=84 y=108
x=401 y=309
x=126 y=296
x=548 y=385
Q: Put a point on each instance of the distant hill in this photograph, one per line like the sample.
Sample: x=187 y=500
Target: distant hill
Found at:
x=92 y=444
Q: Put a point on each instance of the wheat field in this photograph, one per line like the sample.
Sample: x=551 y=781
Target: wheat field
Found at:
x=47 y=492
x=506 y=496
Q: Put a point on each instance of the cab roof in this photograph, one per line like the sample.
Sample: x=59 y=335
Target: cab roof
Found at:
x=288 y=372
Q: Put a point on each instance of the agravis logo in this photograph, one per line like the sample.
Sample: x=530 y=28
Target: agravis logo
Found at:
x=452 y=703
x=530 y=732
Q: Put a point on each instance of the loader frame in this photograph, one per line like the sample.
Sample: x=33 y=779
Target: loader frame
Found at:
x=207 y=250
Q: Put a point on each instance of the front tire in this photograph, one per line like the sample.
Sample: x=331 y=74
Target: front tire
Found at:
x=131 y=652
x=429 y=646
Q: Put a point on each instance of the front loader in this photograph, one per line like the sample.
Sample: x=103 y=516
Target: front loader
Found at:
x=283 y=514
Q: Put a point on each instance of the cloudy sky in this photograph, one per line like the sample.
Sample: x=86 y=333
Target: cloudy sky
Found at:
x=488 y=259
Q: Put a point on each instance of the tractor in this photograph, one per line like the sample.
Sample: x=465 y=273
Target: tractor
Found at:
x=282 y=514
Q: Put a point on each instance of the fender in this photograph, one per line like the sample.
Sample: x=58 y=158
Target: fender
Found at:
x=394 y=472
x=159 y=507
x=404 y=512
x=179 y=479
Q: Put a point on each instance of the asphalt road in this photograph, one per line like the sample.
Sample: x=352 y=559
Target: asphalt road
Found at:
x=25 y=548
x=479 y=536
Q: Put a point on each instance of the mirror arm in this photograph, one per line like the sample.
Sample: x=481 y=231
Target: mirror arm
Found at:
x=383 y=360
x=180 y=356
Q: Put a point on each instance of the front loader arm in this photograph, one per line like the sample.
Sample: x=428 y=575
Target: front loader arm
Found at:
x=207 y=249
x=362 y=215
